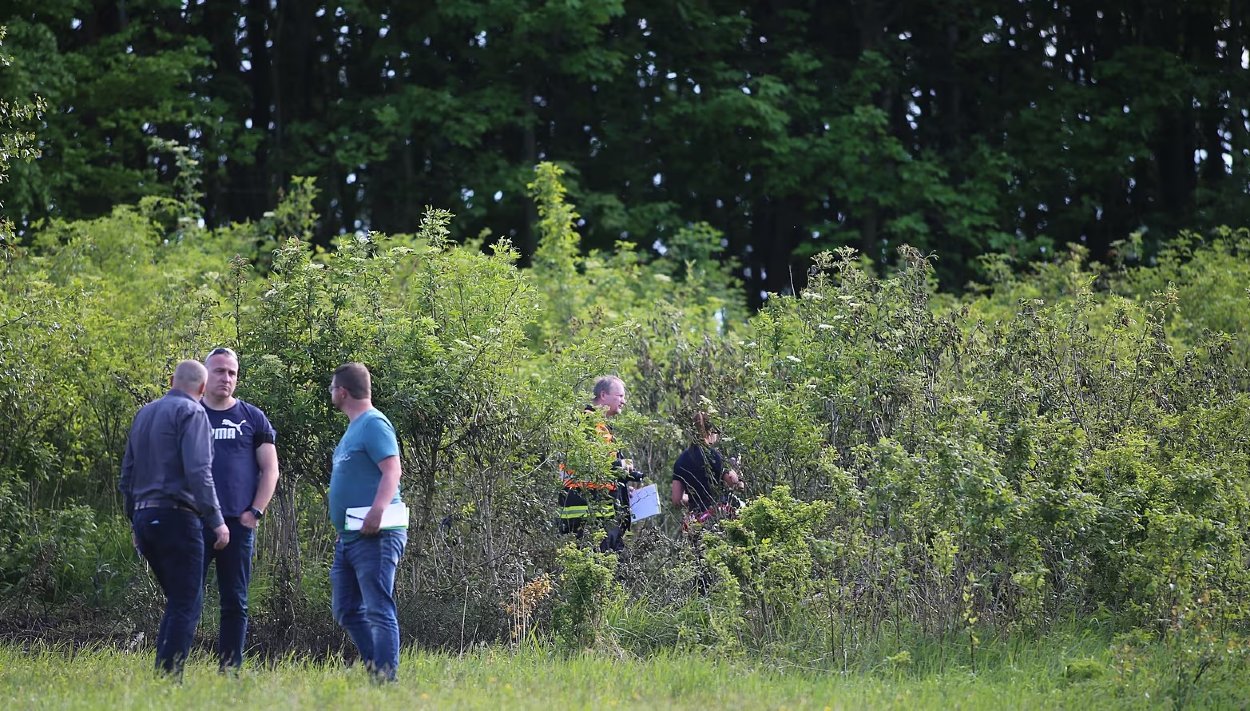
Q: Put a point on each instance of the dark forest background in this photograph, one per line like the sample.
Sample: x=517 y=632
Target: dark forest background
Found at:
x=790 y=126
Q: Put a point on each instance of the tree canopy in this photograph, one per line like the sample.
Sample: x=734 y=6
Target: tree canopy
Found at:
x=789 y=126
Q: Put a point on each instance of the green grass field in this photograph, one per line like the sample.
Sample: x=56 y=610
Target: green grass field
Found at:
x=1077 y=673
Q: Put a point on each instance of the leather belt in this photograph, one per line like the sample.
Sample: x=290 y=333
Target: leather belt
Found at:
x=159 y=504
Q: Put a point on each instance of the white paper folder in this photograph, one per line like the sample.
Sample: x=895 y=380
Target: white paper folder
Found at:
x=644 y=502
x=395 y=516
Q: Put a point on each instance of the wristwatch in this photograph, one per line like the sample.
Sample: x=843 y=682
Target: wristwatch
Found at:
x=256 y=512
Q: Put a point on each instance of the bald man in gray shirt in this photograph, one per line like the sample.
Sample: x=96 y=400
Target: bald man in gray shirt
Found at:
x=167 y=487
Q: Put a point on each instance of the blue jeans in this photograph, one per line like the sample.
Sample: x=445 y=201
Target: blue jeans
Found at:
x=362 y=583
x=234 y=573
x=172 y=541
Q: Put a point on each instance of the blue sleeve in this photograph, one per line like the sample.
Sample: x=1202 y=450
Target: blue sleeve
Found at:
x=126 y=484
x=263 y=433
x=380 y=442
x=196 y=443
x=679 y=468
x=718 y=464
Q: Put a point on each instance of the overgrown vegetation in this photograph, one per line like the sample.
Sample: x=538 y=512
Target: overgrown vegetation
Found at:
x=924 y=471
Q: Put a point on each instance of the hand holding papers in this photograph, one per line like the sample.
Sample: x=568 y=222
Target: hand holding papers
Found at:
x=395 y=516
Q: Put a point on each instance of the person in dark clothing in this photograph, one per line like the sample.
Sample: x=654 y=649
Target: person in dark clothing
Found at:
x=245 y=475
x=167 y=488
x=700 y=473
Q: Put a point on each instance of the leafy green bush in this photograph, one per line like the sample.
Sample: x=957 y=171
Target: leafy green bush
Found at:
x=586 y=589
x=1056 y=444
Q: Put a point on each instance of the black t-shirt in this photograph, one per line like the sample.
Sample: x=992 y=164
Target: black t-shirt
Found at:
x=700 y=469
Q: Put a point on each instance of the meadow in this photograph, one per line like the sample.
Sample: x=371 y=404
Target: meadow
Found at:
x=1074 y=670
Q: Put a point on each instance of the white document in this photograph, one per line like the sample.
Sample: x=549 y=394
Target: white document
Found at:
x=395 y=516
x=644 y=502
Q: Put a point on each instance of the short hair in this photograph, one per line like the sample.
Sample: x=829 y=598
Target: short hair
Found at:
x=355 y=378
x=604 y=384
x=221 y=351
x=189 y=375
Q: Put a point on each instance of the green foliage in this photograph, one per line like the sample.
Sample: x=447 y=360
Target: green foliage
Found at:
x=790 y=129
x=62 y=558
x=134 y=78
x=921 y=469
x=769 y=552
x=1207 y=274
x=17 y=142
x=585 y=588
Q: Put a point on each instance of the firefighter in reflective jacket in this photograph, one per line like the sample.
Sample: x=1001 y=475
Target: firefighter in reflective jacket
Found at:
x=606 y=502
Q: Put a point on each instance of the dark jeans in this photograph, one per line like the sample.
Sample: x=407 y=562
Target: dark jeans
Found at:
x=234 y=572
x=362 y=583
x=172 y=541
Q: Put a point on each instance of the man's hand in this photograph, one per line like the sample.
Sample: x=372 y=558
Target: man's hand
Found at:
x=223 y=537
x=372 y=523
x=248 y=519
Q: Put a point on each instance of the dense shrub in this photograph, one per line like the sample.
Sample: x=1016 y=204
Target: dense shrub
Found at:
x=1063 y=442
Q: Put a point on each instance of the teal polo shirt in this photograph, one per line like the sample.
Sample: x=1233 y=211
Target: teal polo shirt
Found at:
x=354 y=479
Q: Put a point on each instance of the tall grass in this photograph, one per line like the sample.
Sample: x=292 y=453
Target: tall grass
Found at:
x=1062 y=671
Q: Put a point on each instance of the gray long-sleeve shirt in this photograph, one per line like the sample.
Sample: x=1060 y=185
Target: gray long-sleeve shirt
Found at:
x=169 y=457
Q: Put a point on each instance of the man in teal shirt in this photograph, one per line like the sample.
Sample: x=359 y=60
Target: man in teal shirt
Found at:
x=366 y=474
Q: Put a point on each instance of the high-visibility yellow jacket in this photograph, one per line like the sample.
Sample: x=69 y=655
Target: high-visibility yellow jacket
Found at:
x=583 y=498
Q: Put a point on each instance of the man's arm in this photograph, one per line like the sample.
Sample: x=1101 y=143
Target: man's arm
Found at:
x=678 y=493
x=126 y=484
x=386 y=492
x=197 y=463
x=267 y=462
x=729 y=475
